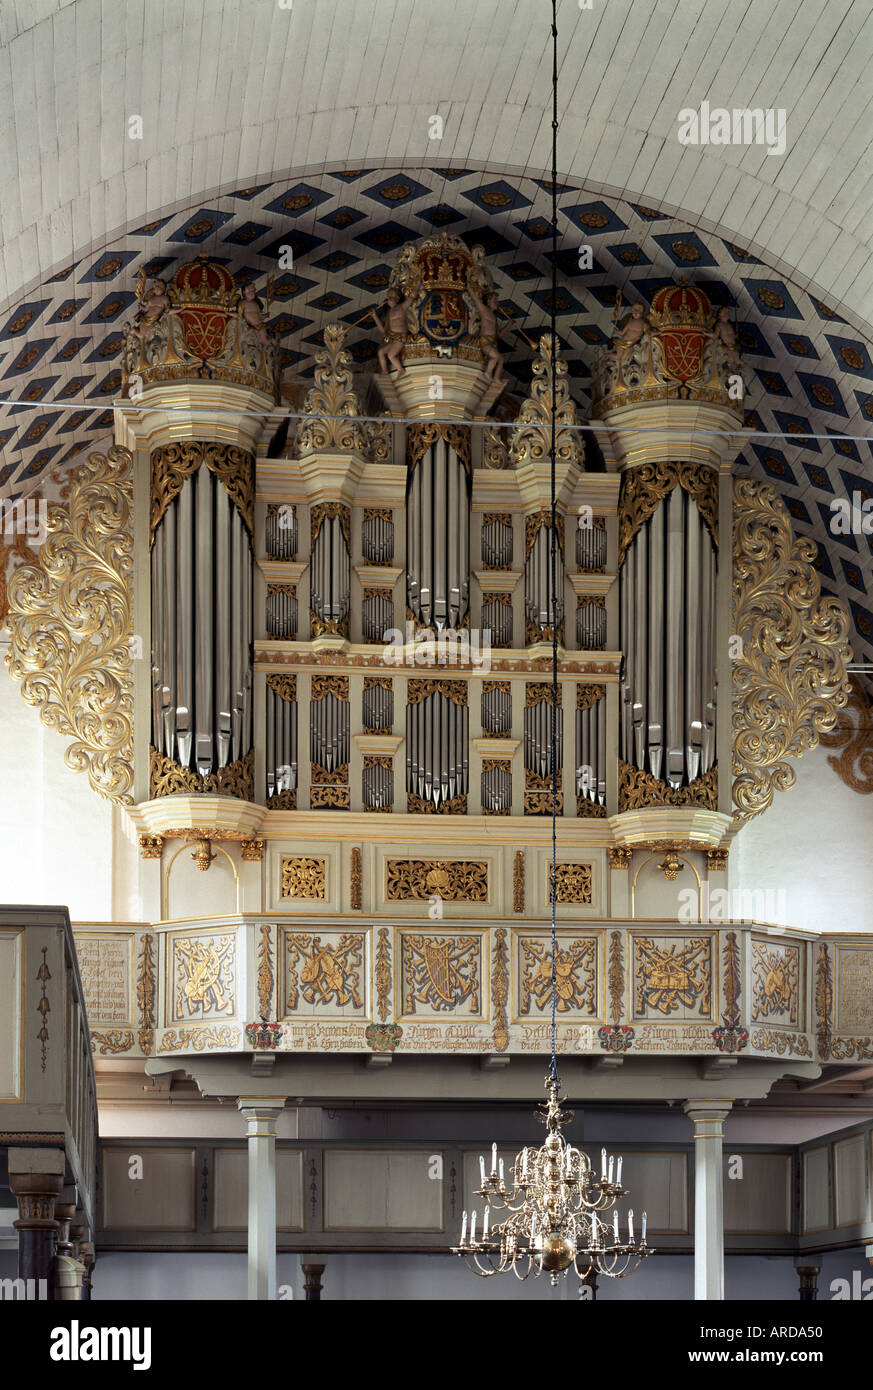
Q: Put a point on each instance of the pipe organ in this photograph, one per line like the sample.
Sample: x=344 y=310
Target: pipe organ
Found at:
x=357 y=517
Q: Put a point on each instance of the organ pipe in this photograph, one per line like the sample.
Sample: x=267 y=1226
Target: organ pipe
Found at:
x=436 y=748
x=438 y=537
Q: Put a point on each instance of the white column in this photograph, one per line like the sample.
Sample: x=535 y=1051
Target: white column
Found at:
x=261 y=1114
x=708 y=1117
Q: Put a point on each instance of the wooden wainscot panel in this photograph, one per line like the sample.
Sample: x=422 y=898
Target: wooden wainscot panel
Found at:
x=382 y=1190
x=578 y=967
x=758 y=1194
x=659 y=1183
x=673 y=976
x=816 y=1190
x=231 y=1169
x=442 y=971
x=149 y=1189
x=851 y=1197
x=778 y=983
x=11 y=1014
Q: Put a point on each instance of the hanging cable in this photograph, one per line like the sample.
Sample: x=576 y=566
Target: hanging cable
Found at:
x=553 y=314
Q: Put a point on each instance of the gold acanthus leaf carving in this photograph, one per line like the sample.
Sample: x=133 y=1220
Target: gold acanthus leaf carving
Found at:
x=642 y=488
x=500 y=991
x=421 y=806
x=791 y=678
x=265 y=974
x=356 y=879
x=235 y=779
x=171 y=464
x=420 y=437
x=638 y=788
x=383 y=974
x=534 y=523
x=615 y=977
x=518 y=881
x=454 y=880
x=331 y=406
x=319 y=514
x=283 y=685
x=338 y=686
x=70 y=618
x=418 y=690
x=531 y=437
x=855 y=737
x=588 y=695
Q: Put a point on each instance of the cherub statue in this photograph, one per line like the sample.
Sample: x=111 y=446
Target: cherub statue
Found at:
x=629 y=331
x=487 y=308
x=153 y=303
x=251 y=309
x=394 y=330
x=724 y=333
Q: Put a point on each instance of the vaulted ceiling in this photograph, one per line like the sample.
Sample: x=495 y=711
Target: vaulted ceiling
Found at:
x=264 y=126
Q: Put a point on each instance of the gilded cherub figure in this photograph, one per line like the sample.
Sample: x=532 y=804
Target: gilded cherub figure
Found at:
x=153 y=303
x=725 y=334
x=251 y=310
x=394 y=329
x=629 y=331
x=487 y=308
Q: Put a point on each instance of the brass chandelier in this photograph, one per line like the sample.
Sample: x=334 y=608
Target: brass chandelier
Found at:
x=551 y=1218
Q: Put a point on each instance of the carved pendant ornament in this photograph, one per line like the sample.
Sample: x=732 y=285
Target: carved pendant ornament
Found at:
x=791 y=678
x=70 y=620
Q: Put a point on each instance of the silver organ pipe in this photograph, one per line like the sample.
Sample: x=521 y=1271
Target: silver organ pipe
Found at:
x=329 y=732
x=591 y=753
x=496 y=789
x=185 y=622
x=496 y=711
x=537 y=738
x=377 y=787
x=377 y=707
x=377 y=540
x=280 y=533
x=667 y=608
x=437 y=764
x=590 y=547
x=438 y=538
x=203 y=622
x=497 y=619
x=281 y=747
x=330 y=568
x=537 y=581
x=497 y=544
x=281 y=612
x=201 y=584
x=377 y=617
x=591 y=626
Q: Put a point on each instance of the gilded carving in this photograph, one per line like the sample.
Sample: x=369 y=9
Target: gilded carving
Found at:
x=145 y=993
x=265 y=974
x=441 y=972
x=638 y=788
x=332 y=404
x=574 y=883
x=44 y=1007
x=338 y=686
x=615 y=977
x=151 y=846
x=283 y=685
x=518 y=881
x=453 y=880
x=356 y=879
x=320 y=511
x=235 y=779
x=455 y=691
x=500 y=991
x=421 y=806
x=672 y=974
x=770 y=1040
x=422 y=435
x=791 y=678
x=494 y=454
x=716 y=860
x=575 y=975
x=204 y=974
x=331 y=969
x=303 y=877
x=496 y=765
x=585 y=807
x=588 y=695
x=619 y=856
x=824 y=999
x=537 y=691
x=383 y=974
x=172 y=464
x=329 y=798
x=731 y=961
x=114 y=1040
x=775 y=972
x=199 y=1039
x=252 y=851
x=855 y=736
x=848 y=1049
x=642 y=488
x=531 y=438
x=70 y=621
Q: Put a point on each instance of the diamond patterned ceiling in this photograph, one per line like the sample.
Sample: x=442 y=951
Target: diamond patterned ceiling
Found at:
x=810 y=378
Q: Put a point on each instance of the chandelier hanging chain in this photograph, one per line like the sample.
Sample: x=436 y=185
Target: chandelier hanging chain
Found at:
x=549 y=1213
x=553 y=318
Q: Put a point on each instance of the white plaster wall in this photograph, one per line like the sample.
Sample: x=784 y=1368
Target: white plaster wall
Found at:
x=815 y=844
x=60 y=843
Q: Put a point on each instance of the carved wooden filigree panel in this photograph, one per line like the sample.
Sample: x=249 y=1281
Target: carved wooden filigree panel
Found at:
x=455 y=880
x=302 y=877
x=325 y=973
x=574 y=883
x=575 y=975
x=672 y=977
x=202 y=973
x=776 y=983
x=441 y=972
